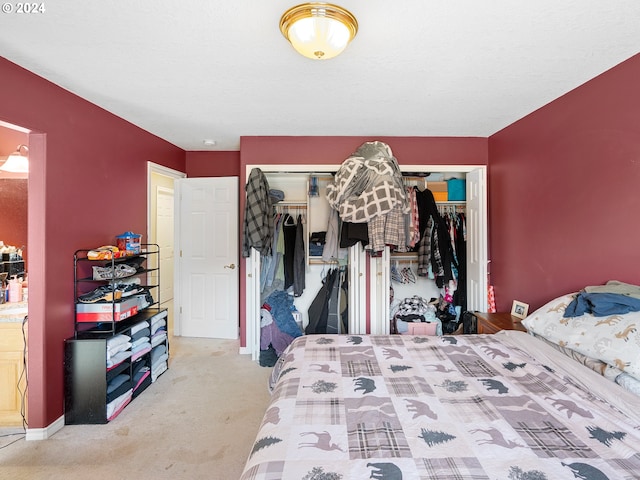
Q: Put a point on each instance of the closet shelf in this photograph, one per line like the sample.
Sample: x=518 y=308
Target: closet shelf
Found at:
x=290 y=203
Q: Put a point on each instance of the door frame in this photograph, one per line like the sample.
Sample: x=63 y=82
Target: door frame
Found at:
x=152 y=216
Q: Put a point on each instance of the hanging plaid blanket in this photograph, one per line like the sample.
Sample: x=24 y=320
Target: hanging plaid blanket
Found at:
x=368 y=184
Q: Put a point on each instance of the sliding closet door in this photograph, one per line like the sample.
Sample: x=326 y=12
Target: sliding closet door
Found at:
x=477 y=256
x=357 y=290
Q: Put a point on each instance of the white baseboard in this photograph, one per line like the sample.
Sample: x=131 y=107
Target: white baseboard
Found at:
x=244 y=351
x=46 y=432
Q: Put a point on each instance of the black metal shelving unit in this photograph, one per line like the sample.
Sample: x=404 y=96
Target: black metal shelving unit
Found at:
x=86 y=373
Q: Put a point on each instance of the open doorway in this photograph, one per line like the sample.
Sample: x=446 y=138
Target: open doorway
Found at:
x=14 y=191
x=160 y=222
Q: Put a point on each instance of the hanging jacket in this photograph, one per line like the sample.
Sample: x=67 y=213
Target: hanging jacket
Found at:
x=319 y=308
x=258 y=218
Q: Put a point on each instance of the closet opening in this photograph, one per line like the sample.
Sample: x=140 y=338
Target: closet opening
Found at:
x=368 y=277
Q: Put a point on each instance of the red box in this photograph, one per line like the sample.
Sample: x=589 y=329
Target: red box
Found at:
x=106 y=312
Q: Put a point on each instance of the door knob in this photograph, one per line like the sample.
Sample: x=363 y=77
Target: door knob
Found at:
x=231 y=266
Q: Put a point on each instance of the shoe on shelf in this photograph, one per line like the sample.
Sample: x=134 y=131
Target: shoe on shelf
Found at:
x=101 y=294
x=129 y=289
x=120 y=270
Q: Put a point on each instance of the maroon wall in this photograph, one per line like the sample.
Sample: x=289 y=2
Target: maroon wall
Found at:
x=213 y=164
x=564 y=192
x=87 y=183
x=334 y=150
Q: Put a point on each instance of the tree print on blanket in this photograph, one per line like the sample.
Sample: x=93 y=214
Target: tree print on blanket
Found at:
x=399 y=368
x=264 y=443
x=454 y=386
x=512 y=366
x=603 y=436
x=318 y=473
x=516 y=473
x=355 y=340
x=433 y=437
x=322 y=387
x=324 y=341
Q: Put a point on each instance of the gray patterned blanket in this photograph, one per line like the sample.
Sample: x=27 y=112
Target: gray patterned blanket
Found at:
x=450 y=408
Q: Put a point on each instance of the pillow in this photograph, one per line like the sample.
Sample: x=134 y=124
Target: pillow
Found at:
x=629 y=383
x=614 y=339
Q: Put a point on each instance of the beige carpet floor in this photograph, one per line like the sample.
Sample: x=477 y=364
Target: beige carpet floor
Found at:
x=197 y=421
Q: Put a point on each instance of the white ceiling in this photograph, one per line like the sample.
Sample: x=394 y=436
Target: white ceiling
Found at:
x=193 y=70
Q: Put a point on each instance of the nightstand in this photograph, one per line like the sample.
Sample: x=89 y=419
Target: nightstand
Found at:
x=494 y=322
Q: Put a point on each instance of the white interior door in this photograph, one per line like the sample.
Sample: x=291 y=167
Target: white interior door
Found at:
x=206 y=287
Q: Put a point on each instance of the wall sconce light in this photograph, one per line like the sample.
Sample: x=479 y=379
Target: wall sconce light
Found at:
x=16 y=162
x=318 y=30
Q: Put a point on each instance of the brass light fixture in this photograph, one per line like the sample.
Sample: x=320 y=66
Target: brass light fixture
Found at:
x=318 y=30
x=17 y=162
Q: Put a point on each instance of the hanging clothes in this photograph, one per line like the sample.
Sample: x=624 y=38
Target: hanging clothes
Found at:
x=289 y=228
x=435 y=244
x=299 y=260
x=319 y=308
x=258 y=221
x=367 y=184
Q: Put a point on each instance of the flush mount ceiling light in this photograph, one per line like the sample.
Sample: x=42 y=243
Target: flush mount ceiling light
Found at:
x=16 y=162
x=318 y=30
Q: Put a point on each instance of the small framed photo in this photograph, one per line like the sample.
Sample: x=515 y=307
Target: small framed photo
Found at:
x=519 y=309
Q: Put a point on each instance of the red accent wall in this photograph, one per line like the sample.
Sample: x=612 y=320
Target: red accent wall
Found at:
x=334 y=150
x=564 y=192
x=87 y=183
x=213 y=164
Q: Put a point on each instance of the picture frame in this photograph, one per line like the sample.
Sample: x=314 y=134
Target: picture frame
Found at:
x=519 y=309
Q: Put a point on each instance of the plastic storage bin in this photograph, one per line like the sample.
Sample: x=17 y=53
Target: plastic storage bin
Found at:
x=129 y=242
x=456 y=189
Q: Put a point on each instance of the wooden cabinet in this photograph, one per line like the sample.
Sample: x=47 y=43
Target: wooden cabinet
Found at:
x=494 y=322
x=12 y=375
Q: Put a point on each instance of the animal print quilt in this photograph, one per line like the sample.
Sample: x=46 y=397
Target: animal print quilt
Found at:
x=449 y=408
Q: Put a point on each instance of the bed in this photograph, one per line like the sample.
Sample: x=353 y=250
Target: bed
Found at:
x=504 y=406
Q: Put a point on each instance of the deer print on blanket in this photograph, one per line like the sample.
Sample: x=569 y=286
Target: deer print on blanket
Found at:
x=494 y=352
x=569 y=407
x=322 y=441
x=495 y=438
x=624 y=334
x=391 y=353
x=322 y=367
x=420 y=409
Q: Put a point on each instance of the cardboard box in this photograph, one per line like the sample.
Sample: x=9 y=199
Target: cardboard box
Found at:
x=106 y=312
x=440 y=196
x=437 y=186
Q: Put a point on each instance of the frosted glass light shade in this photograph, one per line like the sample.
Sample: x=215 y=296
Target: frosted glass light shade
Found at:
x=318 y=30
x=16 y=162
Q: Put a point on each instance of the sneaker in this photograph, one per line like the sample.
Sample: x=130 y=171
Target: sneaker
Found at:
x=129 y=289
x=101 y=294
x=119 y=271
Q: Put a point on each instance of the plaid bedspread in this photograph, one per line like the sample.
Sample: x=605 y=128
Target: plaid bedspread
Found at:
x=447 y=408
